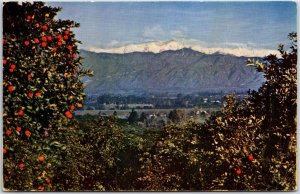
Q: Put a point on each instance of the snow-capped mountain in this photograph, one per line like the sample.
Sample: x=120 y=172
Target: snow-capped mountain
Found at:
x=160 y=46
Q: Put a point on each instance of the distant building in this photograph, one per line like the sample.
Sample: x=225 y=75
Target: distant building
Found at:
x=140 y=106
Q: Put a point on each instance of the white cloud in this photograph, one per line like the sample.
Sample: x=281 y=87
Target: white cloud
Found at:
x=177 y=33
x=153 y=31
x=113 y=43
x=157 y=32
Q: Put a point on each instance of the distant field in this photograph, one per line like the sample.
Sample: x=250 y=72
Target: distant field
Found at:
x=125 y=113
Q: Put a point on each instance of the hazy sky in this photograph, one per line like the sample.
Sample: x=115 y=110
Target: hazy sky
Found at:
x=254 y=24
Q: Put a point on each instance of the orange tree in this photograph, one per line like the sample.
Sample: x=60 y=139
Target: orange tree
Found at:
x=254 y=142
x=41 y=88
x=234 y=148
x=276 y=102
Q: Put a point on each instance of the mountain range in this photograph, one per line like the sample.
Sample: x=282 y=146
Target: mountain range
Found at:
x=184 y=71
x=196 y=45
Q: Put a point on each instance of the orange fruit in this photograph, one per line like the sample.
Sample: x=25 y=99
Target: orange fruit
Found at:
x=44 y=27
x=36 y=40
x=8 y=132
x=38 y=94
x=250 y=157
x=13 y=66
x=19 y=129
x=44 y=44
x=68 y=114
x=27 y=133
x=21 y=166
x=20 y=112
x=41 y=158
x=238 y=171
x=48 y=181
x=11 y=88
x=72 y=107
x=26 y=43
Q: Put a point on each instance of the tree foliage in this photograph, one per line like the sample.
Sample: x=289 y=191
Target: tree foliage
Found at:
x=133 y=117
x=41 y=88
x=176 y=115
x=102 y=157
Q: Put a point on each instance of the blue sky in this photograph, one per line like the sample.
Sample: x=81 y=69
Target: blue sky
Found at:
x=112 y=24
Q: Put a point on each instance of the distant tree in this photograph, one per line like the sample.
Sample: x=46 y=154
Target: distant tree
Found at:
x=176 y=115
x=115 y=113
x=143 y=117
x=133 y=117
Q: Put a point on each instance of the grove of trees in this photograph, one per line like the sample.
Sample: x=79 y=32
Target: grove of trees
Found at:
x=250 y=146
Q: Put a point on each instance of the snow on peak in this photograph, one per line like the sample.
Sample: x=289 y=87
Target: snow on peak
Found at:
x=160 y=46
